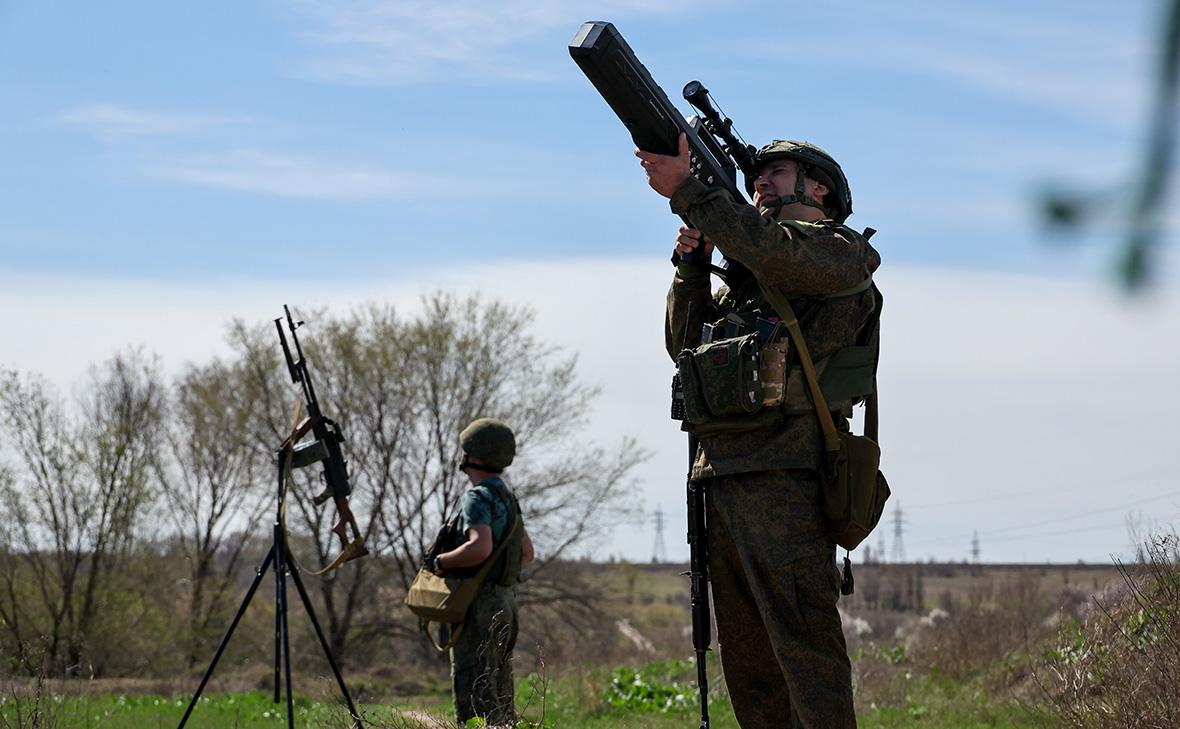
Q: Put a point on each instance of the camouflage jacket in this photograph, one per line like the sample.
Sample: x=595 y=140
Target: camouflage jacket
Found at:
x=803 y=260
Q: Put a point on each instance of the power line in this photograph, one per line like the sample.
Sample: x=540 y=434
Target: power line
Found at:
x=993 y=534
x=1073 y=489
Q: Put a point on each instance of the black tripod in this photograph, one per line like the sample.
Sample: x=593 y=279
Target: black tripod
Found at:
x=279 y=556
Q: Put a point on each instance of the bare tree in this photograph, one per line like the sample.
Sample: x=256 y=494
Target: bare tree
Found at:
x=78 y=498
x=214 y=479
x=402 y=389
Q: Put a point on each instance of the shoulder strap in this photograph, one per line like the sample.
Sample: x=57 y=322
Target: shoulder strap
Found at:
x=457 y=628
x=826 y=424
x=513 y=526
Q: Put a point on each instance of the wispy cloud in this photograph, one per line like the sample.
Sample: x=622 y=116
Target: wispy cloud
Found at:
x=243 y=170
x=299 y=177
x=382 y=42
x=111 y=121
x=1072 y=68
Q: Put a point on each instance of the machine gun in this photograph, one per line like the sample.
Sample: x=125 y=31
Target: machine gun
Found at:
x=716 y=152
x=323 y=449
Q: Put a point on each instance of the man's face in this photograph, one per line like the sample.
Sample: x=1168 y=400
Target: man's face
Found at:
x=774 y=179
x=777 y=178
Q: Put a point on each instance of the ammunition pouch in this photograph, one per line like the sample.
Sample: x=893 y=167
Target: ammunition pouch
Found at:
x=724 y=388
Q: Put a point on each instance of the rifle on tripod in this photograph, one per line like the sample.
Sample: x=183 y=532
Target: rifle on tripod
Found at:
x=717 y=154
x=325 y=448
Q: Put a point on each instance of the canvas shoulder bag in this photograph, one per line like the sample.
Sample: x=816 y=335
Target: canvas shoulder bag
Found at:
x=854 y=493
x=445 y=599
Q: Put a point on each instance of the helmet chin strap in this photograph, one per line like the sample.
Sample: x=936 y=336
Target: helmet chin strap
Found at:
x=800 y=195
x=466 y=464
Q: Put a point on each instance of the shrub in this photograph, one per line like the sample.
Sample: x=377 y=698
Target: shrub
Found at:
x=1120 y=665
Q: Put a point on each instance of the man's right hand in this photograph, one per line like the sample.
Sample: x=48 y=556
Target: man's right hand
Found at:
x=688 y=240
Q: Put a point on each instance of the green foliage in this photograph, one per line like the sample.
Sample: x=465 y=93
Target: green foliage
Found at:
x=651 y=688
x=895 y=654
x=119 y=711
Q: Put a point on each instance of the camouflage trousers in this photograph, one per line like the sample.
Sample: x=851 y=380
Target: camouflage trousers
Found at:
x=481 y=660
x=775 y=586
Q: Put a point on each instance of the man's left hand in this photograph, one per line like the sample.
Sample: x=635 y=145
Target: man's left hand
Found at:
x=665 y=173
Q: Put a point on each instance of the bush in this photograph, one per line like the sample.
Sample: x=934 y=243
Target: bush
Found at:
x=1120 y=665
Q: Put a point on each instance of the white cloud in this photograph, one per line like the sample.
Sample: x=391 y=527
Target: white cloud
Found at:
x=291 y=176
x=1006 y=400
x=111 y=121
x=1093 y=75
x=405 y=41
x=243 y=170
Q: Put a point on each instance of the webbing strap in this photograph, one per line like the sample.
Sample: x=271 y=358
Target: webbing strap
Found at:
x=853 y=291
x=456 y=631
x=791 y=322
x=827 y=425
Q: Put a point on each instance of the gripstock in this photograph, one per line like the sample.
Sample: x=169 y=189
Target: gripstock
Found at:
x=324 y=448
x=717 y=152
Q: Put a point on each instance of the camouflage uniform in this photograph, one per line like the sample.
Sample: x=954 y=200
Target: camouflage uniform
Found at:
x=775 y=581
x=481 y=659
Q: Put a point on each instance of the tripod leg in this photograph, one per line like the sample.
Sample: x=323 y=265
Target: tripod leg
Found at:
x=278 y=647
x=356 y=717
x=281 y=585
x=228 y=633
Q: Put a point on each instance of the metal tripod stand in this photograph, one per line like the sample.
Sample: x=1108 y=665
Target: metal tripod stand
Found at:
x=279 y=557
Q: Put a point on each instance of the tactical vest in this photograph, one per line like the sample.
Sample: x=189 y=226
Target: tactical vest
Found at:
x=746 y=376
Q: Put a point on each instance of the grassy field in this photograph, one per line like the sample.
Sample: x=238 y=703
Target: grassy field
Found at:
x=910 y=670
x=566 y=703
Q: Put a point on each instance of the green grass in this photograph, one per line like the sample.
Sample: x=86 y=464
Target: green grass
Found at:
x=944 y=704
x=659 y=695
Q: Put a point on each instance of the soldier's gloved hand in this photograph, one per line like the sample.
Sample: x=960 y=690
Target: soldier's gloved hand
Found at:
x=689 y=240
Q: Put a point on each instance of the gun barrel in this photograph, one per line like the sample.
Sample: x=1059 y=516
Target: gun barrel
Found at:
x=698 y=574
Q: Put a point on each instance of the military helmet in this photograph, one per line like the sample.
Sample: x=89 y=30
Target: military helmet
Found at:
x=491 y=441
x=814 y=163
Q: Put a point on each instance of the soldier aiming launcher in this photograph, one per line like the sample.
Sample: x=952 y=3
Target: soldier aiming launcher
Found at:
x=324 y=449
x=717 y=153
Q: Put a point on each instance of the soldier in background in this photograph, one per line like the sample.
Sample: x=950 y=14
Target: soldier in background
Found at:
x=771 y=562
x=481 y=659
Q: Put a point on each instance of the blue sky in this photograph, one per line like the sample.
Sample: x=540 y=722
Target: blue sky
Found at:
x=167 y=167
x=158 y=140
